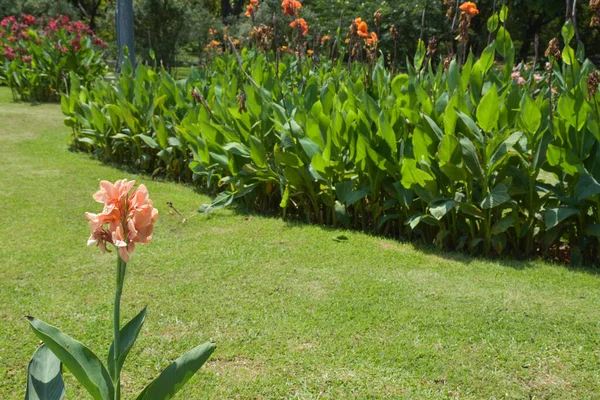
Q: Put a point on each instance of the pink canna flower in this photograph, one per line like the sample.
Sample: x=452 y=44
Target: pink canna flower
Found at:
x=127 y=218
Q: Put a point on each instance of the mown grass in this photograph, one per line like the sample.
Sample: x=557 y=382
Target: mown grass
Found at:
x=295 y=313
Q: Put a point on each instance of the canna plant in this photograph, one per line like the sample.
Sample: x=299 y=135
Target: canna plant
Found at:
x=127 y=219
x=471 y=154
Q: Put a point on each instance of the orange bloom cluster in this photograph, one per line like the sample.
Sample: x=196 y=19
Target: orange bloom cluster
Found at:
x=251 y=9
x=469 y=8
x=301 y=24
x=127 y=218
x=325 y=38
x=290 y=7
x=373 y=39
x=361 y=27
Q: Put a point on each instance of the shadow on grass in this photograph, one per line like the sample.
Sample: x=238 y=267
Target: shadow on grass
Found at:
x=242 y=210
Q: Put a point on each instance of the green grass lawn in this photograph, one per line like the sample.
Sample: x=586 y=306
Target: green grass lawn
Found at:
x=295 y=314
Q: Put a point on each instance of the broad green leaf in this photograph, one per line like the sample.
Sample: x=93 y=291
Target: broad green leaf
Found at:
x=148 y=140
x=257 y=152
x=128 y=335
x=492 y=23
x=411 y=175
x=288 y=159
x=238 y=149
x=172 y=379
x=471 y=158
x=504 y=43
x=568 y=31
x=563 y=158
x=531 y=116
x=554 y=216
x=453 y=76
x=488 y=110
x=503 y=224
x=473 y=128
x=503 y=14
x=471 y=209
x=44 y=376
x=586 y=187
x=568 y=55
x=441 y=208
x=498 y=195
x=80 y=360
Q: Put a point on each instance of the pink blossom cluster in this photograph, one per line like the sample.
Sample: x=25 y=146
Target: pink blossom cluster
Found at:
x=128 y=217
x=17 y=34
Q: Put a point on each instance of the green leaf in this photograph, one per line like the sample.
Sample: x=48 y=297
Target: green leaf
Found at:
x=586 y=187
x=128 y=335
x=257 y=152
x=499 y=195
x=441 y=208
x=471 y=158
x=504 y=42
x=554 y=216
x=453 y=76
x=488 y=110
x=80 y=360
x=563 y=158
x=503 y=14
x=531 y=116
x=288 y=159
x=473 y=128
x=172 y=379
x=237 y=149
x=44 y=376
x=411 y=175
x=568 y=55
x=492 y=23
x=568 y=31
x=148 y=140
x=503 y=224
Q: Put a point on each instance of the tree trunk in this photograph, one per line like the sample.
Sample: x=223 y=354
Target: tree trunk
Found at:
x=534 y=27
x=226 y=9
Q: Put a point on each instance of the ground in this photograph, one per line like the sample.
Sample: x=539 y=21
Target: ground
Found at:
x=294 y=313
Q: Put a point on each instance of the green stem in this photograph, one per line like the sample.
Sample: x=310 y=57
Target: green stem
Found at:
x=121 y=266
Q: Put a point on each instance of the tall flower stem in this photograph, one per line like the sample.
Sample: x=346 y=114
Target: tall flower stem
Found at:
x=121 y=267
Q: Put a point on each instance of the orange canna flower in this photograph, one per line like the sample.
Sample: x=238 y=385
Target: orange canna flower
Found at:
x=373 y=39
x=325 y=38
x=290 y=7
x=127 y=218
x=301 y=24
x=470 y=8
x=309 y=52
x=363 y=30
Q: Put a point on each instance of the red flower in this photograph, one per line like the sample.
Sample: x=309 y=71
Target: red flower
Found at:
x=53 y=25
x=12 y=39
x=290 y=7
x=26 y=59
x=99 y=42
x=28 y=19
x=8 y=20
x=470 y=8
x=301 y=24
x=75 y=45
x=9 y=53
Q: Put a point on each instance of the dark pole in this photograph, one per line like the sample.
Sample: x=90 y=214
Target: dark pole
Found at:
x=125 y=36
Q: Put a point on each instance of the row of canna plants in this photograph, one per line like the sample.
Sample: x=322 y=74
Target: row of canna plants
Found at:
x=483 y=156
x=37 y=55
